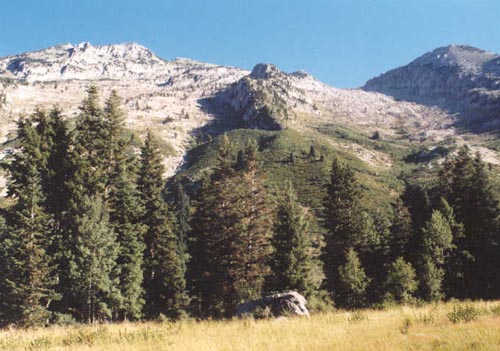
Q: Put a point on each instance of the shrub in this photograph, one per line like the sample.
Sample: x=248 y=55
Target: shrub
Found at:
x=357 y=316
x=496 y=310
x=427 y=318
x=405 y=327
x=467 y=313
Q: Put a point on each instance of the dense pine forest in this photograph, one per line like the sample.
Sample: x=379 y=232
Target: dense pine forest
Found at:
x=93 y=233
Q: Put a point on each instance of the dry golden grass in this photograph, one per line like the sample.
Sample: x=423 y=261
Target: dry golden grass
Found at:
x=404 y=328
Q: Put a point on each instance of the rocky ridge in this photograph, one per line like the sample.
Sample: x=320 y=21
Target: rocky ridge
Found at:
x=461 y=79
x=176 y=98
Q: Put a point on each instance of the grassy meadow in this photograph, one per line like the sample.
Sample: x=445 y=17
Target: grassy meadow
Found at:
x=451 y=326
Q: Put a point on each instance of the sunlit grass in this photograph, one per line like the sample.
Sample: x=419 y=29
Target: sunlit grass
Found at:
x=399 y=328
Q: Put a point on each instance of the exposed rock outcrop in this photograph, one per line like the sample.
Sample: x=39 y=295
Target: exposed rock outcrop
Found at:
x=289 y=303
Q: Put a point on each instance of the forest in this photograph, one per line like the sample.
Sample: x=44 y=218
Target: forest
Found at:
x=93 y=233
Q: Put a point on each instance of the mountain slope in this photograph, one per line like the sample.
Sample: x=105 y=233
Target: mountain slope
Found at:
x=157 y=94
x=186 y=103
x=461 y=79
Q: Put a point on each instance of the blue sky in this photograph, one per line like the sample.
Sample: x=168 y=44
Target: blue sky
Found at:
x=342 y=42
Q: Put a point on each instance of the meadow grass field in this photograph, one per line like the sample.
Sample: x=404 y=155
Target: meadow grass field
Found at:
x=445 y=326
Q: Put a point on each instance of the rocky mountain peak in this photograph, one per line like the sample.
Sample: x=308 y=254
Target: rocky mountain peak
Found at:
x=467 y=58
x=83 y=61
x=458 y=78
x=265 y=71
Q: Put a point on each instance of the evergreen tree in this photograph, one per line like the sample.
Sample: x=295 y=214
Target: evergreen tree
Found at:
x=94 y=278
x=293 y=263
x=56 y=135
x=114 y=119
x=437 y=238
x=343 y=220
x=353 y=282
x=232 y=228
x=401 y=231
x=183 y=214
x=7 y=310
x=212 y=231
x=465 y=184
x=89 y=169
x=30 y=278
x=126 y=210
x=457 y=258
x=252 y=245
x=126 y=215
x=484 y=233
x=164 y=280
x=374 y=252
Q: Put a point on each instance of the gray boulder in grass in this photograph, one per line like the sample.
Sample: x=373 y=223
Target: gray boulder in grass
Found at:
x=289 y=303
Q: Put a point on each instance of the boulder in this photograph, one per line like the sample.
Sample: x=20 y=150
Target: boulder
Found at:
x=289 y=303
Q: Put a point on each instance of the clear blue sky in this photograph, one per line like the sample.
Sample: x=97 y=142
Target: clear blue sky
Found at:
x=342 y=42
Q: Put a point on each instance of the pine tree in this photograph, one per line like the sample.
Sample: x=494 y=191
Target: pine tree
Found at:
x=342 y=218
x=56 y=191
x=164 y=280
x=232 y=228
x=353 y=282
x=7 y=308
x=252 y=245
x=374 y=252
x=183 y=214
x=95 y=284
x=401 y=231
x=126 y=215
x=89 y=170
x=212 y=226
x=437 y=238
x=465 y=184
x=126 y=210
x=114 y=118
x=293 y=263
x=30 y=277
x=457 y=258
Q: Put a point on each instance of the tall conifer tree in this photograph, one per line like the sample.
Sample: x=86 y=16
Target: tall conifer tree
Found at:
x=93 y=271
x=293 y=264
x=30 y=279
x=342 y=219
x=232 y=228
x=164 y=280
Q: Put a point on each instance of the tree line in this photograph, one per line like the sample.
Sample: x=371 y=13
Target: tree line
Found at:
x=90 y=236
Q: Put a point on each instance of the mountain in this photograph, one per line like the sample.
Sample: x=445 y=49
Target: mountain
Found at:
x=461 y=79
x=157 y=94
x=396 y=122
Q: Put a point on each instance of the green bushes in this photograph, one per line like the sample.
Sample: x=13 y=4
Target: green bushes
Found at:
x=467 y=313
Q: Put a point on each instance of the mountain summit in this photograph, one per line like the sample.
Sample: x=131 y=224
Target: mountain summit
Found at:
x=84 y=61
x=461 y=79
